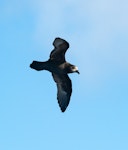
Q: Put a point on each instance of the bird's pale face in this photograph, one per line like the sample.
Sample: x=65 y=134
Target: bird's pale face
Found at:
x=75 y=69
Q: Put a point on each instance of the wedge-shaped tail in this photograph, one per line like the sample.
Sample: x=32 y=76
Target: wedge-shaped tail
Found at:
x=38 y=65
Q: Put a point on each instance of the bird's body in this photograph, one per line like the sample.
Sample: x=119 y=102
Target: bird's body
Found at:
x=59 y=68
x=53 y=67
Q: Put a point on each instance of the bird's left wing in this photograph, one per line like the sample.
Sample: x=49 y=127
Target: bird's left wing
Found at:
x=64 y=87
x=58 y=54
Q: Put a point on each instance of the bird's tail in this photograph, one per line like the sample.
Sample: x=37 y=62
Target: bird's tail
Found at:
x=38 y=65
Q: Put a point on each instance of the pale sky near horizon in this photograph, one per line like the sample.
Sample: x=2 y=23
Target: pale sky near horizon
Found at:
x=97 y=116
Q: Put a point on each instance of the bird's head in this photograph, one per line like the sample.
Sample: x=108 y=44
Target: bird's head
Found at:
x=74 y=69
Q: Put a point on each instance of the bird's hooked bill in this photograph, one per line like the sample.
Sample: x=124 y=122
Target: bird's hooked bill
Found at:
x=75 y=69
x=78 y=71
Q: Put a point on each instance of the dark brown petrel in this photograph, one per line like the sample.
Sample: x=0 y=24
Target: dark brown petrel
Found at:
x=59 y=68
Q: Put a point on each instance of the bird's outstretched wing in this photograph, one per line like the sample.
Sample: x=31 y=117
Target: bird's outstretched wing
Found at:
x=58 y=54
x=64 y=87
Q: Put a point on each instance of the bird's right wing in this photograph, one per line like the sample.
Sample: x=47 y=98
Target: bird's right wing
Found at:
x=58 y=54
x=64 y=86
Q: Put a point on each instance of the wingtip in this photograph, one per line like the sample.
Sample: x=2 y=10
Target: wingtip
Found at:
x=63 y=110
x=58 y=41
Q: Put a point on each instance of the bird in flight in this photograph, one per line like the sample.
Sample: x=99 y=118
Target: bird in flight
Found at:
x=59 y=68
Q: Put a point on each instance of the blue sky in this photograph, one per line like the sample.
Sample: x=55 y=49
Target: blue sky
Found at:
x=97 y=116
